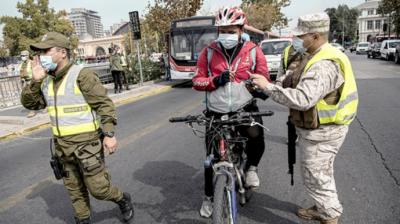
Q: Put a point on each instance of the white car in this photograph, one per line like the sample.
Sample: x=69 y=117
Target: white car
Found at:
x=362 y=47
x=388 y=49
x=338 y=46
x=273 y=50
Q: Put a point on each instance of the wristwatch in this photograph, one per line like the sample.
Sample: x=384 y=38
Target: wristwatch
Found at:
x=109 y=134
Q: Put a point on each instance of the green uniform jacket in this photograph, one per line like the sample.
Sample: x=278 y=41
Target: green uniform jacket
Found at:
x=115 y=62
x=93 y=91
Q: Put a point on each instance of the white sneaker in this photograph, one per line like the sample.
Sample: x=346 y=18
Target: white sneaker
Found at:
x=252 y=179
x=206 y=208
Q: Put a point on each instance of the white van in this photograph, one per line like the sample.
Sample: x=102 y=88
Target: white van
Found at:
x=362 y=47
x=388 y=49
x=273 y=50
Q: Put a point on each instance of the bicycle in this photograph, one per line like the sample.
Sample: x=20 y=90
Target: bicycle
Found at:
x=227 y=158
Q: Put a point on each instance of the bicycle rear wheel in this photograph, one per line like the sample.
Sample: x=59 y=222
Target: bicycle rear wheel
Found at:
x=221 y=211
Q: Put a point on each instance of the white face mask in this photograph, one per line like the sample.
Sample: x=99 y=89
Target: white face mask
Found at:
x=227 y=40
x=24 y=58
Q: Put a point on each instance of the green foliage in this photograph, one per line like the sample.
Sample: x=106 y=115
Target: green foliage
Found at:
x=151 y=70
x=391 y=9
x=265 y=14
x=343 y=19
x=36 y=20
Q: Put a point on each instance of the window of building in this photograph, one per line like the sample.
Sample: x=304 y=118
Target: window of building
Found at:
x=370 y=12
x=370 y=24
x=377 y=24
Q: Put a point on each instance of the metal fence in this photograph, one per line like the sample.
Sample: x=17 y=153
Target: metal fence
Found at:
x=11 y=86
x=10 y=91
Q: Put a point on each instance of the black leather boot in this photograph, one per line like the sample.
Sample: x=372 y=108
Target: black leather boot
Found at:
x=126 y=207
x=83 y=221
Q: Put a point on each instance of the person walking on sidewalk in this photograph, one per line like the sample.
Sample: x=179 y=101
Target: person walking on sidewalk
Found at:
x=78 y=105
x=116 y=69
x=323 y=100
x=25 y=73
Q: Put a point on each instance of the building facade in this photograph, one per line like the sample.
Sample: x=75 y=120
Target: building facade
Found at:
x=371 y=23
x=86 y=22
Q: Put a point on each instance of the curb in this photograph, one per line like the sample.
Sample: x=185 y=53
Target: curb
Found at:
x=119 y=102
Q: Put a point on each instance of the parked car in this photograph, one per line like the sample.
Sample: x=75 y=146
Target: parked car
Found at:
x=338 y=46
x=362 y=47
x=272 y=50
x=375 y=50
x=388 y=49
x=397 y=54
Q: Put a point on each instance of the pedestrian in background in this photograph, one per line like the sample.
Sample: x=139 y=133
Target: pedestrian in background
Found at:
x=116 y=69
x=25 y=73
x=82 y=119
x=165 y=61
x=323 y=100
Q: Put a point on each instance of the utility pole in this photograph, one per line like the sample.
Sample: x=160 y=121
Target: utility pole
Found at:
x=343 y=31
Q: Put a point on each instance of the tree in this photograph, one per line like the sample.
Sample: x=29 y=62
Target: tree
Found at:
x=343 y=23
x=391 y=9
x=264 y=14
x=158 y=19
x=37 y=19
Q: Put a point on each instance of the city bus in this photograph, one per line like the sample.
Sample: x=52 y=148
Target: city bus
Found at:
x=188 y=36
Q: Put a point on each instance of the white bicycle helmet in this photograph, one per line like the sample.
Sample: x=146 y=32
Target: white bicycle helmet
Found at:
x=229 y=16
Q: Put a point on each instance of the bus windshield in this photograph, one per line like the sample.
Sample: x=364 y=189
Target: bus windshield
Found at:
x=274 y=47
x=184 y=43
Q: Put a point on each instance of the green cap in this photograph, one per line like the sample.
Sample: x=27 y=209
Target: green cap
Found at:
x=52 y=39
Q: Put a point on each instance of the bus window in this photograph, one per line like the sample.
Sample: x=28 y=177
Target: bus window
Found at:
x=181 y=49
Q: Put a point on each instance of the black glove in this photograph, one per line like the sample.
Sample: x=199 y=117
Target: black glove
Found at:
x=258 y=93
x=222 y=79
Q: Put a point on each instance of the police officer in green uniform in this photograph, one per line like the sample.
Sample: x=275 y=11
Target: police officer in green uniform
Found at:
x=78 y=106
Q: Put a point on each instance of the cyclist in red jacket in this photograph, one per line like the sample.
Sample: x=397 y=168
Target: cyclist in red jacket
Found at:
x=222 y=69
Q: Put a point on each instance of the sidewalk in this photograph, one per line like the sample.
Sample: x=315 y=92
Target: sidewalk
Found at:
x=14 y=122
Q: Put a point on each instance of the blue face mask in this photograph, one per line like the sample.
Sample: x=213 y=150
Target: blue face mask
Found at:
x=227 y=40
x=298 y=45
x=47 y=63
x=245 y=37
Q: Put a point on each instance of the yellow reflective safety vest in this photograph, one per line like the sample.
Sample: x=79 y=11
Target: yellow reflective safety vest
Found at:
x=28 y=68
x=346 y=109
x=69 y=112
x=286 y=57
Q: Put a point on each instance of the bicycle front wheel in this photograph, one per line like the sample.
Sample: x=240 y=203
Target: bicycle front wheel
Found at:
x=221 y=211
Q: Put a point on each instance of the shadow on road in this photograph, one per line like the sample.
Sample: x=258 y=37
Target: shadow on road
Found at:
x=181 y=188
x=59 y=204
x=261 y=206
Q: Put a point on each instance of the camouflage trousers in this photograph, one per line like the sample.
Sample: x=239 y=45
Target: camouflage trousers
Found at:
x=86 y=173
x=319 y=148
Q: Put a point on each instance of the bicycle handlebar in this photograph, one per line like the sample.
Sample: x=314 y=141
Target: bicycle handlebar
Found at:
x=183 y=119
x=191 y=118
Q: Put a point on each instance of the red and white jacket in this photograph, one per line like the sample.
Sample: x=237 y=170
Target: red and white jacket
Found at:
x=233 y=95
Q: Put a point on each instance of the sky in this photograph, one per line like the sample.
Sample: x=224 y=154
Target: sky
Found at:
x=116 y=10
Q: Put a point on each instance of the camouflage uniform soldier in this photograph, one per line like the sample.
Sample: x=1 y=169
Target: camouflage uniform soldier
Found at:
x=77 y=104
x=25 y=73
x=323 y=100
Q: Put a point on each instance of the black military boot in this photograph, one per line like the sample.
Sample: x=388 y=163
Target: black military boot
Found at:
x=83 y=221
x=126 y=207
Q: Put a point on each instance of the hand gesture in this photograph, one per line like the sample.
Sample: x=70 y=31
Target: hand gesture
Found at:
x=38 y=72
x=259 y=81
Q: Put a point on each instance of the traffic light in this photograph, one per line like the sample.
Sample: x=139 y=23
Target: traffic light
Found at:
x=135 y=25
